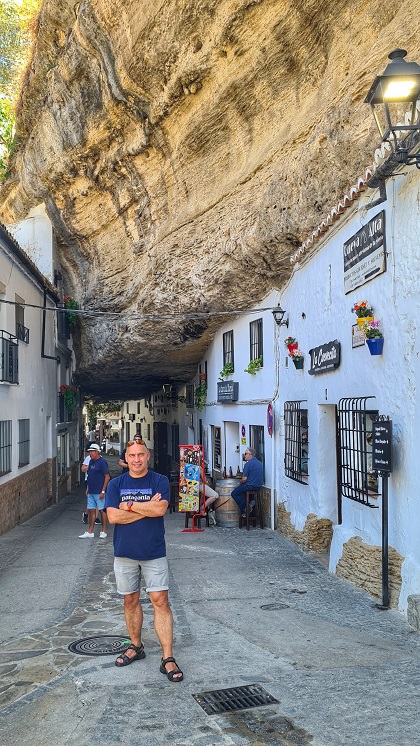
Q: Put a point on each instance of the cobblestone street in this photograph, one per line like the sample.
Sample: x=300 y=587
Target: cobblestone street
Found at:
x=249 y=608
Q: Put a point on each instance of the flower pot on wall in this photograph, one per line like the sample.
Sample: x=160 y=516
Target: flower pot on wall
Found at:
x=375 y=345
x=292 y=347
x=362 y=320
x=298 y=363
x=202 y=376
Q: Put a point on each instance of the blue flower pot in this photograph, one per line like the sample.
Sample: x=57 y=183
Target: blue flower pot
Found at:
x=375 y=345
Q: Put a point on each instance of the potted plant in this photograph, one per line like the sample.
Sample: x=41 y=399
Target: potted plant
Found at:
x=291 y=343
x=297 y=357
x=374 y=337
x=363 y=311
x=226 y=371
x=69 y=395
x=200 y=395
x=70 y=303
x=254 y=366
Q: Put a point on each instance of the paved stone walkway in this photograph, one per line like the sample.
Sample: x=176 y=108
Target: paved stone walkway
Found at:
x=249 y=607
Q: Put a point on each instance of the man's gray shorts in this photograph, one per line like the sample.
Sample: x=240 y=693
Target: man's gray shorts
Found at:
x=128 y=573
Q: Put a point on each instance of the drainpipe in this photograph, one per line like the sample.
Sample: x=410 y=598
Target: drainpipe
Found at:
x=48 y=357
x=276 y=358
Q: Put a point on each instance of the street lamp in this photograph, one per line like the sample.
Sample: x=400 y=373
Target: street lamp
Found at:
x=390 y=92
x=278 y=315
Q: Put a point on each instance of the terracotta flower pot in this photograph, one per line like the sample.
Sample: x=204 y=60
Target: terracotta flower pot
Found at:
x=375 y=345
x=202 y=377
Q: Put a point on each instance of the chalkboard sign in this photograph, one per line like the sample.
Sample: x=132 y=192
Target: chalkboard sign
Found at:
x=382 y=445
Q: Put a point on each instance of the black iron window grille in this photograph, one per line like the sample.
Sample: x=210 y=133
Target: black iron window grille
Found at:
x=296 y=443
x=61 y=410
x=358 y=480
x=23 y=442
x=63 y=326
x=256 y=339
x=22 y=333
x=9 y=367
x=228 y=357
x=189 y=390
x=5 y=447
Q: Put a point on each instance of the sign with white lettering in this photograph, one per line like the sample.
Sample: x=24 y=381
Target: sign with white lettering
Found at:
x=227 y=391
x=325 y=358
x=364 y=253
x=382 y=445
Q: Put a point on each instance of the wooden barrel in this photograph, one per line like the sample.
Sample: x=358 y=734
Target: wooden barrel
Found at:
x=227 y=511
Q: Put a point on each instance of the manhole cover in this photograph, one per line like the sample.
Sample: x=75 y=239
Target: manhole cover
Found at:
x=237 y=698
x=274 y=607
x=99 y=645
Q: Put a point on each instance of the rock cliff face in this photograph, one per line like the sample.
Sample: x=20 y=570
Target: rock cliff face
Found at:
x=183 y=148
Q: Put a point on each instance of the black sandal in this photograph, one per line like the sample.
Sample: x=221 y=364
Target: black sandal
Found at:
x=171 y=674
x=126 y=659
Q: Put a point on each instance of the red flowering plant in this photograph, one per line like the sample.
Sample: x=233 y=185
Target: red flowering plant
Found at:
x=70 y=396
x=362 y=309
x=70 y=303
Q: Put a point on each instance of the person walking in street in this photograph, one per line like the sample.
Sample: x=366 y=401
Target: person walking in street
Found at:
x=252 y=479
x=136 y=503
x=97 y=481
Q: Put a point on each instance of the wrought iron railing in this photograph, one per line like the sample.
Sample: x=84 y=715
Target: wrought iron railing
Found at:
x=9 y=361
x=22 y=333
x=296 y=441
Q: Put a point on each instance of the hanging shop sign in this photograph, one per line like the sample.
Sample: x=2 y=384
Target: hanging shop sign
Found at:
x=191 y=462
x=325 y=358
x=382 y=445
x=227 y=391
x=364 y=253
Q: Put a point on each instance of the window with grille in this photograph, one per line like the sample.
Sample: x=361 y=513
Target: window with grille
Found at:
x=23 y=443
x=9 y=362
x=189 y=394
x=228 y=348
x=296 y=441
x=358 y=480
x=5 y=446
x=255 y=339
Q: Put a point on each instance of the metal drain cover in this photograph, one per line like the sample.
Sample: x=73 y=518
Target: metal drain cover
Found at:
x=99 y=645
x=237 y=698
x=274 y=607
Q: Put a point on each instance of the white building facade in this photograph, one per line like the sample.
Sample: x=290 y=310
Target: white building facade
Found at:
x=325 y=481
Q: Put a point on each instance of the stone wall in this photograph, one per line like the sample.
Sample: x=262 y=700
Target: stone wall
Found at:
x=315 y=536
x=361 y=564
x=23 y=497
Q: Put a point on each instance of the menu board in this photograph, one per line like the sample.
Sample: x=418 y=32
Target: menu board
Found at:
x=191 y=461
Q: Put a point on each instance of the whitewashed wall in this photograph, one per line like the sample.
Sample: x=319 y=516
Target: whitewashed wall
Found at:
x=320 y=312
x=255 y=391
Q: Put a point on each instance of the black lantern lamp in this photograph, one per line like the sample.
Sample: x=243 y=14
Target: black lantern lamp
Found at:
x=278 y=314
x=398 y=85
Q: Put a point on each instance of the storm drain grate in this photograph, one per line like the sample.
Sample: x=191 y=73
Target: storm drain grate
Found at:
x=274 y=607
x=236 y=698
x=99 y=645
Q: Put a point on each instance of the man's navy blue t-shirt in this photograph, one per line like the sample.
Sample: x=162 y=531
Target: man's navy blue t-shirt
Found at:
x=96 y=475
x=253 y=471
x=143 y=539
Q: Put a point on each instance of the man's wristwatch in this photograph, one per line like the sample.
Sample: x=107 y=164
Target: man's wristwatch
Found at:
x=129 y=505
x=102 y=492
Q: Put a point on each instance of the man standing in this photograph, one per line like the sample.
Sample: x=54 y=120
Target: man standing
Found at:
x=97 y=481
x=252 y=479
x=136 y=503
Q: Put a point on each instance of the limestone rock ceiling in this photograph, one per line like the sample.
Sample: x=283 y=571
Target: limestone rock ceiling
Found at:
x=183 y=149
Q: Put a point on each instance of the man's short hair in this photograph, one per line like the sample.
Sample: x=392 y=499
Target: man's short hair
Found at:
x=252 y=451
